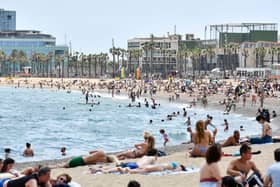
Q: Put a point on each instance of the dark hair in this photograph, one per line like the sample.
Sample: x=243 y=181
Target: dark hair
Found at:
x=133 y=183
x=213 y=153
x=228 y=181
x=28 y=145
x=7 y=150
x=235 y=132
x=63 y=149
x=260 y=117
x=161 y=131
x=152 y=152
x=43 y=171
x=68 y=177
x=277 y=155
x=1 y=160
x=244 y=148
x=6 y=163
x=183 y=168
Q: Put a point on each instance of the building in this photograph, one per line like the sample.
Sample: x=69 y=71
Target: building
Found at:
x=164 y=55
x=29 y=48
x=243 y=32
x=7 y=20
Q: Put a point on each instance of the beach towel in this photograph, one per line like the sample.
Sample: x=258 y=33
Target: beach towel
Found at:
x=169 y=172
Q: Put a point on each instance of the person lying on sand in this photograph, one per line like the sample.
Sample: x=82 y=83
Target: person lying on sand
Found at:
x=140 y=149
x=150 y=159
x=232 y=140
x=94 y=158
x=173 y=166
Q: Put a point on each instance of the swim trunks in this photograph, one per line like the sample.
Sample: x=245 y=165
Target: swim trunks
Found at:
x=174 y=165
x=78 y=161
x=130 y=165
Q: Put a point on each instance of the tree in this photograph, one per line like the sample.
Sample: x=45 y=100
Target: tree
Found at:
x=211 y=53
x=89 y=60
x=245 y=54
x=13 y=60
x=2 y=61
x=114 y=52
x=22 y=58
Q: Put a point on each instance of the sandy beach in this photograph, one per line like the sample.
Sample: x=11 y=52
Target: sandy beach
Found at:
x=176 y=153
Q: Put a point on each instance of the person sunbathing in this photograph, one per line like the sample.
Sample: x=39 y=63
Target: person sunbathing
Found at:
x=239 y=168
x=140 y=149
x=94 y=158
x=173 y=166
x=232 y=140
x=210 y=174
x=201 y=139
x=148 y=159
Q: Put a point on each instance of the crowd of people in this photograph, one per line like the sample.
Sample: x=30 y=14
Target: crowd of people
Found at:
x=204 y=140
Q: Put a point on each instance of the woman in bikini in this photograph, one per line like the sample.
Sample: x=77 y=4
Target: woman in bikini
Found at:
x=201 y=139
x=140 y=149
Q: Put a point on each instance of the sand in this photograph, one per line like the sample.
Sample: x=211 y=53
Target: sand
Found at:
x=178 y=153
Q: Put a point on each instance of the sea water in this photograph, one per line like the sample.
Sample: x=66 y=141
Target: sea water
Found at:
x=37 y=116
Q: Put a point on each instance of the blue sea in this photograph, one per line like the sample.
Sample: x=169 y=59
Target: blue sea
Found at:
x=37 y=116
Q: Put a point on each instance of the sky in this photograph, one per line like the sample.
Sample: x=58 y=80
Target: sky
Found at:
x=90 y=25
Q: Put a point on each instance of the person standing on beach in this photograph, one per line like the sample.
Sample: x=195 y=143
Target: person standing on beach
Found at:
x=226 y=125
x=273 y=173
x=165 y=136
x=87 y=97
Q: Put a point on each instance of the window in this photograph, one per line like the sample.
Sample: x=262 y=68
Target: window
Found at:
x=9 y=17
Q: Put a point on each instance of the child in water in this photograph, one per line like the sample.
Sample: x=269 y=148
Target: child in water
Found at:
x=165 y=136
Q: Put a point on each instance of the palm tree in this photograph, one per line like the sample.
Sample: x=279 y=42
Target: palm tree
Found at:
x=272 y=51
x=2 y=61
x=179 y=57
x=245 y=54
x=145 y=47
x=152 y=47
x=187 y=54
x=211 y=53
x=14 y=59
x=89 y=60
x=278 y=55
x=22 y=59
x=58 y=61
x=113 y=51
